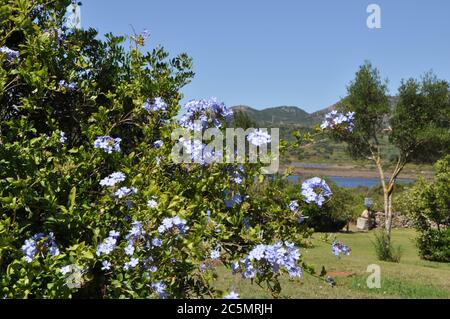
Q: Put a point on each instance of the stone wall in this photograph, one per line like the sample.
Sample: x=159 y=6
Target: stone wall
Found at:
x=398 y=220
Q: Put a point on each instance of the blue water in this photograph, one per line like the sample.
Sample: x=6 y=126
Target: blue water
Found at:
x=351 y=182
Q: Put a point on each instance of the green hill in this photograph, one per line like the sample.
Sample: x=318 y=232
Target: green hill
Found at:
x=280 y=115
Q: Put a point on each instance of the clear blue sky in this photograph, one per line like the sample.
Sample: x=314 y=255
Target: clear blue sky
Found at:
x=286 y=52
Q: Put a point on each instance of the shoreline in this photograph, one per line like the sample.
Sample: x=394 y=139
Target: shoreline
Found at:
x=351 y=171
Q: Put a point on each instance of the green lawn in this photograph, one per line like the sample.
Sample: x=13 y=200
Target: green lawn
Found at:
x=411 y=278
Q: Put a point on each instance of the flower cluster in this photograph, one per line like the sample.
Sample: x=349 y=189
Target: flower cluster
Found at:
x=338 y=248
x=215 y=254
x=62 y=137
x=125 y=191
x=337 y=120
x=131 y=264
x=157 y=105
x=108 y=144
x=201 y=114
x=113 y=179
x=198 y=152
x=160 y=289
x=236 y=199
x=277 y=256
x=136 y=234
x=72 y=86
x=10 y=54
x=109 y=244
x=316 y=190
x=152 y=203
x=173 y=224
x=293 y=206
x=70 y=269
x=231 y=295
x=236 y=174
x=259 y=137
x=40 y=243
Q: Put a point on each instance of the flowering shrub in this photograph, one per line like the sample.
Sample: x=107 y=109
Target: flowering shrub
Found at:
x=88 y=191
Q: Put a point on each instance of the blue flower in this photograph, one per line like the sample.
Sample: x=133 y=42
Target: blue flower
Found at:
x=125 y=191
x=215 y=254
x=158 y=144
x=136 y=232
x=108 y=144
x=316 y=190
x=156 y=242
x=66 y=269
x=259 y=137
x=10 y=54
x=72 y=86
x=129 y=249
x=174 y=223
x=106 y=265
x=293 y=206
x=337 y=120
x=107 y=246
x=201 y=114
x=279 y=255
x=338 y=247
x=114 y=234
x=160 y=289
x=39 y=242
x=198 y=152
x=237 y=178
x=113 y=179
x=59 y=35
x=235 y=267
x=152 y=203
x=157 y=105
x=232 y=295
x=131 y=264
x=236 y=199
x=62 y=137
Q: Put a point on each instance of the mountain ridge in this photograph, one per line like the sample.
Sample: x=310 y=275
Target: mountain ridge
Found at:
x=284 y=115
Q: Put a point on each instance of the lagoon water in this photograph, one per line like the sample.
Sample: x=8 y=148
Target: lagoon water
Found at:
x=351 y=182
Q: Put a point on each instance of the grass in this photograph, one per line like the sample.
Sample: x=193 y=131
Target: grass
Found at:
x=412 y=277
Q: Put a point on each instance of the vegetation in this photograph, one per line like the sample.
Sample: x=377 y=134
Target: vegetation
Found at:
x=428 y=204
x=419 y=119
x=385 y=249
x=92 y=204
x=412 y=277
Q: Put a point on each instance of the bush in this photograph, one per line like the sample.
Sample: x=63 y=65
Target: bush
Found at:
x=345 y=206
x=85 y=214
x=385 y=249
x=428 y=205
x=434 y=245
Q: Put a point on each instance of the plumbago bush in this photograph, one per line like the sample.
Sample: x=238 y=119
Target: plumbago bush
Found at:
x=91 y=204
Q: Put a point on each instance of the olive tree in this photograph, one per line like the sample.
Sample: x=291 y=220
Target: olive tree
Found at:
x=417 y=123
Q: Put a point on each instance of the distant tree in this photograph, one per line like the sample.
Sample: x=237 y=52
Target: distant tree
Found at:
x=418 y=125
x=242 y=120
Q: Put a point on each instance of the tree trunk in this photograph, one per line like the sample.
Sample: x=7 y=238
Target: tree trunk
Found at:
x=388 y=216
